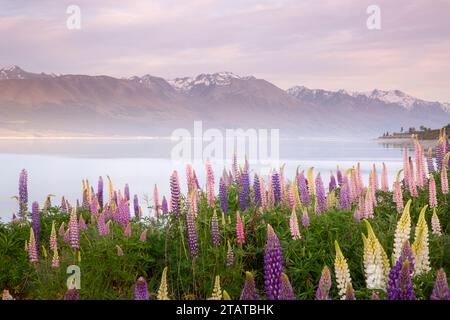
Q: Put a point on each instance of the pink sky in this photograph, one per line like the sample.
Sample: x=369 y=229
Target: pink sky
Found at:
x=315 y=43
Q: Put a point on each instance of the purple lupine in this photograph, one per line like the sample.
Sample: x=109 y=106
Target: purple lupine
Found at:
x=344 y=197
x=94 y=206
x=305 y=219
x=215 y=232
x=101 y=225
x=339 y=176
x=321 y=200
x=332 y=184
x=122 y=215
x=276 y=188
x=273 y=266
x=323 y=291
x=399 y=287
x=223 y=195
x=126 y=192
x=303 y=189
x=71 y=294
x=242 y=194
x=164 y=206
x=141 y=289
x=36 y=222
x=100 y=192
x=287 y=293
x=23 y=193
x=440 y=290
x=230 y=255
x=430 y=164
x=136 y=206
x=192 y=235
x=257 y=191
x=439 y=156
x=175 y=193
x=249 y=291
x=245 y=181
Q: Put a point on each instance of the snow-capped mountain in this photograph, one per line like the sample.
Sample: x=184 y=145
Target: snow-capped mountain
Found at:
x=186 y=84
x=14 y=72
x=150 y=105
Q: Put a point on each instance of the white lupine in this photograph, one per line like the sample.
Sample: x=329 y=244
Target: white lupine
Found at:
x=402 y=231
x=420 y=246
x=342 y=272
x=376 y=264
x=435 y=224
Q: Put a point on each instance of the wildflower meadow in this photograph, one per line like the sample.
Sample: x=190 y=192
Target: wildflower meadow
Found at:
x=259 y=238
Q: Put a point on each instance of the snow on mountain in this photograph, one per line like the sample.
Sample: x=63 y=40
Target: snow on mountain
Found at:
x=185 y=84
x=14 y=72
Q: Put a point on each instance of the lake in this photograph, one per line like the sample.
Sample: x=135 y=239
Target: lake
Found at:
x=58 y=166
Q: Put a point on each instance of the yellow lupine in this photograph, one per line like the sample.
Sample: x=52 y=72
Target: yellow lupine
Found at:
x=163 y=293
x=402 y=232
x=217 y=291
x=341 y=271
x=420 y=246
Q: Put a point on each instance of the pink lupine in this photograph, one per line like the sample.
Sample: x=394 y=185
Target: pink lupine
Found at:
x=263 y=193
x=270 y=193
x=375 y=178
x=32 y=248
x=406 y=167
x=435 y=224
x=412 y=181
x=62 y=230
x=74 y=236
x=143 y=236
x=210 y=184
x=194 y=203
x=432 y=192
x=293 y=225
x=368 y=205
x=384 y=179
x=81 y=223
x=239 y=229
x=190 y=178
x=397 y=195
x=283 y=187
x=127 y=230
x=156 y=200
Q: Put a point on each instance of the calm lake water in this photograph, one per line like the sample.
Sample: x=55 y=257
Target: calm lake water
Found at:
x=58 y=166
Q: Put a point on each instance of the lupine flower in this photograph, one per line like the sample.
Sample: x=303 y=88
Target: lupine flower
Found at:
x=305 y=218
x=127 y=230
x=55 y=258
x=440 y=290
x=368 y=204
x=141 y=289
x=444 y=177
x=101 y=226
x=257 y=191
x=276 y=188
x=62 y=230
x=397 y=194
x=286 y=292
x=36 y=221
x=164 y=206
x=210 y=184
x=175 y=194
x=374 y=296
x=350 y=293
x=223 y=196
x=376 y=263
x=273 y=265
x=293 y=225
x=192 y=235
x=242 y=191
x=23 y=193
x=412 y=181
x=440 y=153
x=119 y=251
x=430 y=161
x=81 y=223
x=323 y=290
x=53 y=240
x=310 y=181
x=283 y=197
x=432 y=192
x=230 y=255
x=321 y=201
x=332 y=184
x=249 y=291
x=192 y=204
x=190 y=178
x=71 y=294
x=32 y=248
x=344 y=197
x=126 y=192
x=341 y=272
x=270 y=195
x=136 y=206
x=240 y=236
x=420 y=246
x=303 y=189
x=217 y=290
x=339 y=176
x=235 y=167
x=405 y=286
x=215 y=230
x=156 y=200
x=396 y=289
x=163 y=292
x=100 y=192
x=94 y=206
x=435 y=224
x=406 y=167
x=402 y=231
x=143 y=236
x=263 y=194
x=73 y=230
x=63 y=205
x=384 y=179
x=66 y=238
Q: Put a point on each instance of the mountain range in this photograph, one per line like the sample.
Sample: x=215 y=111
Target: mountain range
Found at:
x=40 y=104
